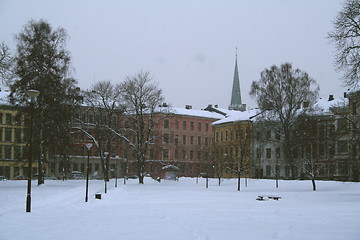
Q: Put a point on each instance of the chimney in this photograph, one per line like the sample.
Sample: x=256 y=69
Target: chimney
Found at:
x=216 y=106
x=164 y=105
x=188 y=107
x=345 y=95
x=306 y=104
x=331 y=97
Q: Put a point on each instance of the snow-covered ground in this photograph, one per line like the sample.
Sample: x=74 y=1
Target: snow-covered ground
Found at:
x=180 y=210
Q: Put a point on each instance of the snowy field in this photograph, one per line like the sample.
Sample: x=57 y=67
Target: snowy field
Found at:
x=180 y=210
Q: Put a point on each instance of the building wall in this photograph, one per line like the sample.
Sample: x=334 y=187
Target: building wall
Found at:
x=12 y=144
x=181 y=140
x=233 y=148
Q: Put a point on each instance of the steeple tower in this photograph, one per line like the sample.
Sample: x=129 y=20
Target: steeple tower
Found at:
x=235 y=103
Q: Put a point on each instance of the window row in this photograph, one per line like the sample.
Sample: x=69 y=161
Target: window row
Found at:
x=242 y=134
x=185 y=125
x=186 y=140
x=179 y=154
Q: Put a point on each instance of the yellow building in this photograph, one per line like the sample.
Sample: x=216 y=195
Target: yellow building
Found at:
x=12 y=145
x=233 y=145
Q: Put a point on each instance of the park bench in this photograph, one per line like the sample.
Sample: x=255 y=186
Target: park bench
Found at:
x=261 y=198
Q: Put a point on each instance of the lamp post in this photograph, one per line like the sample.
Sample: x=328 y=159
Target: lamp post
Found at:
x=32 y=94
x=106 y=171
x=116 y=169
x=88 y=146
x=125 y=170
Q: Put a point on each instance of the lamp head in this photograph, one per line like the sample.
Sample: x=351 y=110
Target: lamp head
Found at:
x=88 y=145
x=32 y=93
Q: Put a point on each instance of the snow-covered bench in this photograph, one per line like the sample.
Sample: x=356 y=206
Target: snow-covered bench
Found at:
x=261 y=198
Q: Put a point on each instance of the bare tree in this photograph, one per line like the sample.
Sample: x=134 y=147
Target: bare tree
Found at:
x=346 y=38
x=282 y=91
x=103 y=108
x=142 y=98
x=6 y=64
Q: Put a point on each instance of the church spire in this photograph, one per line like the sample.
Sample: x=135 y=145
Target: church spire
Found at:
x=235 y=103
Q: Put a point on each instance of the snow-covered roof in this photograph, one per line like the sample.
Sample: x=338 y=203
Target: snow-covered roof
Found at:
x=236 y=116
x=195 y=113
x=354 y=89
x=323 y=106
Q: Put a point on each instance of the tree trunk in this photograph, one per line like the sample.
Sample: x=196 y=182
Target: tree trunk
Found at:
x=313 y=183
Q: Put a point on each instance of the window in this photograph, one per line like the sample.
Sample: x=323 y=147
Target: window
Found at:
x=331 y=150
x=191 y=154
x=226 y=135
x=343 y=168
x=96 y=167
x=176 y=154
x=342 y=124
x=82 y=167
x=192 y=126
x=321 y=131
x=199 y=126
x=166 y=123
x=184 y=154
x=1 y=118
x=277 y=135
x=206 y=141
x=151 y=153
x=177 y=124
x=191 y=139
x=17 y=135
x=7 y=152
x=8 y=132
x=198 y=155
x=166 y=138
x=206 y=127
x=165 y=153
x=342 y=146
x=277 y=152
x=268 y=135
x=8 y=119
x=184 y=139
x=217 y=136
x=331 y=130
x=268 y=153
x=199 y=140
x=287 y=171
x=176 y=139
x=231 y=135
x=184 y=125
x=75 y=167
x=17 y=152
x=268 y=170
x=321 y=150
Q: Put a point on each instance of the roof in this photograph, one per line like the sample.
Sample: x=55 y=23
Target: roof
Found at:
x=195 y=113
x=237 y=116
x=323 y=106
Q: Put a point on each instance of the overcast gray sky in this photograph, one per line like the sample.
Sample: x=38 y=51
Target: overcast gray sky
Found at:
x=188 y=46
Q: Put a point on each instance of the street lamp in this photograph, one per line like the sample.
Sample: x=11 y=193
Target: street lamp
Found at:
x=106 y=171
x=88 y=146
x=116 y=169
x=32 y=94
